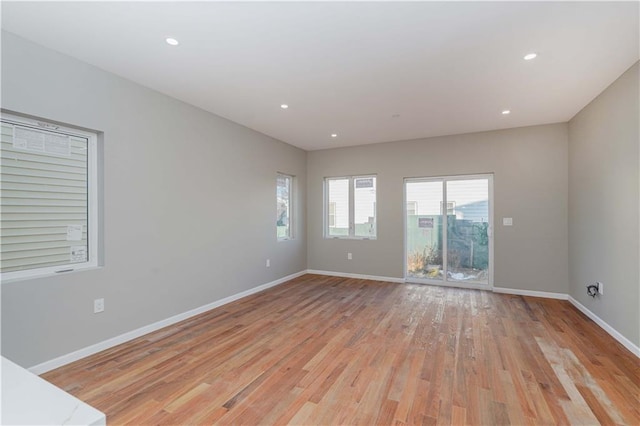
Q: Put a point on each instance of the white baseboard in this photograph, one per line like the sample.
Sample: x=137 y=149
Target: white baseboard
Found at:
x=533 y=293
x=599 y=321
x=114 y=341
x=357 y=276
x=606 y=327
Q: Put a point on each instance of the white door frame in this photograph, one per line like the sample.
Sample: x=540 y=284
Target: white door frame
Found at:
x=444 y=282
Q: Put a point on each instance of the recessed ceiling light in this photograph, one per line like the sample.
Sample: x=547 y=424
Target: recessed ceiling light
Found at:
x=334 y=135
x=172 y=41
x=506 y=112
x=530 y=56
x=284 y=106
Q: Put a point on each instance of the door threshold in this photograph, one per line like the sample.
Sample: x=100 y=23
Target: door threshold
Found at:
x=463 y=285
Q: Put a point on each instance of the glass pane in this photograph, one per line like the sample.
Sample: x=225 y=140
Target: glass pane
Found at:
x=44 y=203
x=424 y=230
x=338 y=208
x=364 y=203
x=283 y=207
x=467 y=237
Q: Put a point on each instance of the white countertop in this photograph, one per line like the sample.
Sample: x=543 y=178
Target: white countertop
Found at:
x=29 y=400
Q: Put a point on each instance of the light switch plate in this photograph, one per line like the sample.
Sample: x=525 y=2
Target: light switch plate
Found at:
x=507 y=221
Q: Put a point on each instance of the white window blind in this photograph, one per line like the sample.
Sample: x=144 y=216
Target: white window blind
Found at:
x=46 y=201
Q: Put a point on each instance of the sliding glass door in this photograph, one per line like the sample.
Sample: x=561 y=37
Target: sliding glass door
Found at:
x=448 y=226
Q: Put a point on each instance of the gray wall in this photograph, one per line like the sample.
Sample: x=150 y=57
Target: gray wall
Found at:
x=189 y=207
x=530 y=185
x=603 y=204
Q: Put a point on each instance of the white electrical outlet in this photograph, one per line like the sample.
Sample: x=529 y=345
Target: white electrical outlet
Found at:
x=600 y=288
x=268 y=263
x=98 y=306
x=349 y=256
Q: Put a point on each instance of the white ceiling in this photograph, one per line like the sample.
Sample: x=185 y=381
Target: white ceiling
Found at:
x=347 y=68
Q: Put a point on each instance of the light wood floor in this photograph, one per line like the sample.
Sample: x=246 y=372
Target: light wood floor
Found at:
x=326 y=350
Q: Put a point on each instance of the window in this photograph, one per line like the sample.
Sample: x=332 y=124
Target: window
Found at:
x=283 y=206
x=49 y=198
x=412 y=208
x=350 y=207
x=338 y=199
x=451 y=207
x=332 y=215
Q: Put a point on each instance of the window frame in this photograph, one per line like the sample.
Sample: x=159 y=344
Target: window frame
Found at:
x=93 y=224
x=351 y=207
x=291 y=179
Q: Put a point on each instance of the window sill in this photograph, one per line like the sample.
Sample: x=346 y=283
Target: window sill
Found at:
x=48 y=274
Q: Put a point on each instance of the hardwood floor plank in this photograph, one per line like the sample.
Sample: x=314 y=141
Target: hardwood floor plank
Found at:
x=458 y=416
x=331 y=350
